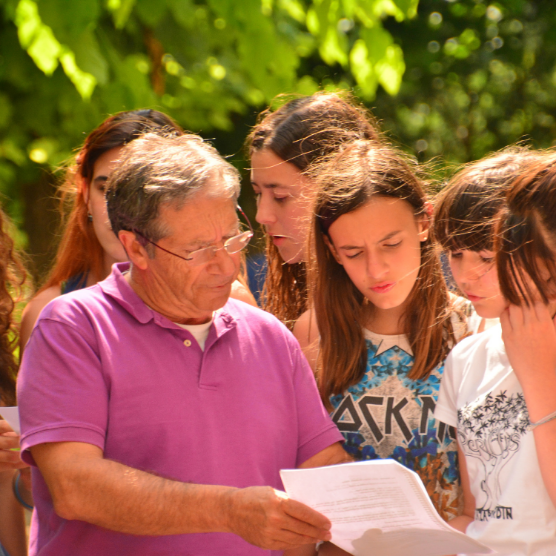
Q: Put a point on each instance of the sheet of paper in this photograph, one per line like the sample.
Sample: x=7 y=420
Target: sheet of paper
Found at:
x=11 y=414
x=377 y=508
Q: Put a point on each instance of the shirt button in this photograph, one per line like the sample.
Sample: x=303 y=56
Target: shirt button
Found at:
x=187 y=343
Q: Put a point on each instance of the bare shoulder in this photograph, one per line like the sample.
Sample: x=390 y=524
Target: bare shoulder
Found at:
x=307 y=334
x=33 y=310
x=305 y=329
x=242 y=293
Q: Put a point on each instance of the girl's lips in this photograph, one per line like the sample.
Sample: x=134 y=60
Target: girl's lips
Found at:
x=278 y=240
x=473 y=298
x=383 y=287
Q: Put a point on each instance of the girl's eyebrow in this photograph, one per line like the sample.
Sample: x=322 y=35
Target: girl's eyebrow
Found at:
x=268 y=185
x=388 y=236
x=385 y=238
x=100 y=179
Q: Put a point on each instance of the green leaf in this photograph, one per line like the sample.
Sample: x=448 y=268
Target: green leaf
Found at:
x=69 y=19
x=294 y=9
x=390 y=69
x=121 y=10
x=89 y=58
x=28 y=22
x=45 y=50
x=333 y=48
x=363 y=69
x=407 y=7
x=84 y=82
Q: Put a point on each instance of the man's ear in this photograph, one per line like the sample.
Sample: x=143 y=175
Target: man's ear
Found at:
x=136 y=253
x=330 y=246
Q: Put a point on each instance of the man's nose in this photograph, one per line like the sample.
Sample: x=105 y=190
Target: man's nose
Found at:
x=225 y=261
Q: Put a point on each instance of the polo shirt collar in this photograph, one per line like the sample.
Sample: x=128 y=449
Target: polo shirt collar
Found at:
x=117 y=287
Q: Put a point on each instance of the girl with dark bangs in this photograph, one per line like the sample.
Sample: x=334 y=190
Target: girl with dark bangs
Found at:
x=282 y=147
x=499 y=388
x=463 y=223
x=385 y=316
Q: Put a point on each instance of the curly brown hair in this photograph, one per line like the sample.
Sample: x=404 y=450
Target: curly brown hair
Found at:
x=12 y=278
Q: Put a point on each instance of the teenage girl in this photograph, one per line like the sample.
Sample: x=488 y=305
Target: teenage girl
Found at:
x=385 y=317
x=282 y=147
x=499 y=388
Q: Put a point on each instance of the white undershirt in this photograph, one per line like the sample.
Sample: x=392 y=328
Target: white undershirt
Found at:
x=199 y=331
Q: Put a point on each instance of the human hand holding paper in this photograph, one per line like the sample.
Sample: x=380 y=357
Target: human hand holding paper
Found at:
x=377 y=508
x=9 y=440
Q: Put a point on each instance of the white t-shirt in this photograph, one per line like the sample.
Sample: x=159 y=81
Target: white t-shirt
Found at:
x=199 y=331
x=481 y=396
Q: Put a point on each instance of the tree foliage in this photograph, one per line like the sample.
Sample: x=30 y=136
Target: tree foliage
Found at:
x=65 y=65
x=480 y=75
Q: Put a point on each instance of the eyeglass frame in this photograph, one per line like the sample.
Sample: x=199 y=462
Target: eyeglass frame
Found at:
x=251 y=232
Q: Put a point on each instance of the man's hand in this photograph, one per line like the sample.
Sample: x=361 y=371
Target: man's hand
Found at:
x=9 y=458
x=269 y=519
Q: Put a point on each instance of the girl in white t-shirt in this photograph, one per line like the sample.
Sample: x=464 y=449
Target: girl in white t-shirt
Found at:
x=385 y=320
x=499 y=387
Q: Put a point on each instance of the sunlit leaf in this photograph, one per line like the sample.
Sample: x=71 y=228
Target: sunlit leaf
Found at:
x=84 y=82
x=363 y=69
x=28 y=22
x=121 y=10
x=45 y=50
x=390 y=69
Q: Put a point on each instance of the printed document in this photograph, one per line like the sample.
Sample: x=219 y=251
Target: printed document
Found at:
x=378 y=508
x=11 y=415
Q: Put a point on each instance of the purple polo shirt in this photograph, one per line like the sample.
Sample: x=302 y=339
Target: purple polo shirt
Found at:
x=103 y=368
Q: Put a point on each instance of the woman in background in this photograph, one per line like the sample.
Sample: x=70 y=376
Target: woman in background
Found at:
x=88 y=247
x=282 y=147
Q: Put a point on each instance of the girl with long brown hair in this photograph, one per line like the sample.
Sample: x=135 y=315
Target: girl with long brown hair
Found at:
x=499 y=388
x=385 y=317
x=88 y=247
x=282 y=147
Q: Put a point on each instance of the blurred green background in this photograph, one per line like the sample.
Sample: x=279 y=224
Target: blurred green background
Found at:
x=448 y=80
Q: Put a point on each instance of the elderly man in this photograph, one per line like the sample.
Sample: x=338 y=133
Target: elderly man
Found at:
x=158 y=412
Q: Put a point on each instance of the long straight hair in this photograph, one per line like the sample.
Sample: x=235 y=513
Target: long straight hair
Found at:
x=79 y=251
x=526 y=235
x=364 y=170
x=301 y=132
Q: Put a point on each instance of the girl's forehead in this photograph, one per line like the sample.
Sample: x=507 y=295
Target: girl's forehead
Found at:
x=376 y=219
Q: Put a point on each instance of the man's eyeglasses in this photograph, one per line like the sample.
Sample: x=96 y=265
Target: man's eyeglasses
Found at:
x=206 y=254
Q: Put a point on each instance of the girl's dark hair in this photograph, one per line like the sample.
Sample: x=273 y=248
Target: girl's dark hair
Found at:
x=466 y=209
x=12 y=278
x=366 y=169
x=79 y=251
x=526 y=238
x=301 y=132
